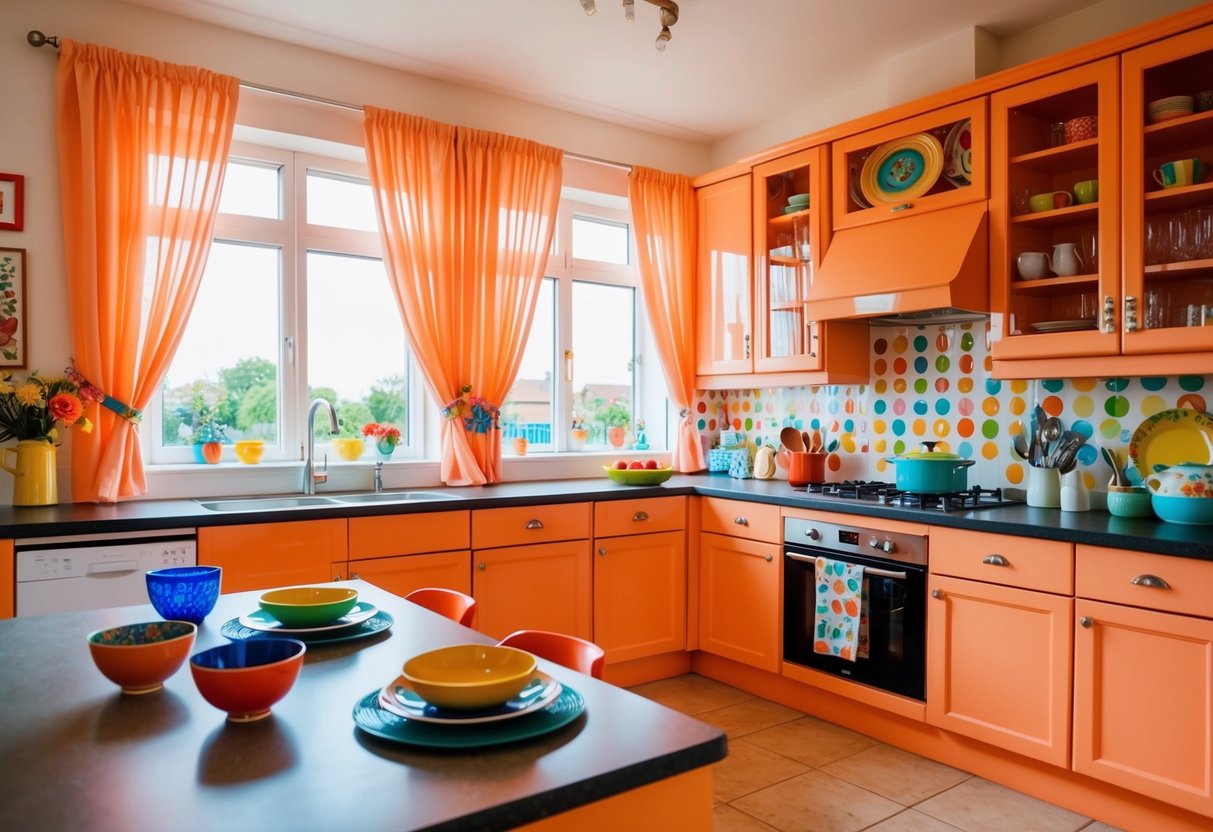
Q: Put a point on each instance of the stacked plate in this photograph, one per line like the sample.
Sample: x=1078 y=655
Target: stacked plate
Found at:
x=1165 y=109
x=902 y=169
x=363 y=621
x=797 y=202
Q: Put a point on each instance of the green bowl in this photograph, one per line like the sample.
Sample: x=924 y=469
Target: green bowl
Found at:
x=801 y=200
x=1129 y=502
x=308 y=606
x=639 y=476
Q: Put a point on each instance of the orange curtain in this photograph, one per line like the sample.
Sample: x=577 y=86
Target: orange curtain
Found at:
x=663 y=211
x=142 y=150
x=467 y=219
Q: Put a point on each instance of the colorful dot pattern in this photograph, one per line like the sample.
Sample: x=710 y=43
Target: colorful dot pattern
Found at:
x=932 y=383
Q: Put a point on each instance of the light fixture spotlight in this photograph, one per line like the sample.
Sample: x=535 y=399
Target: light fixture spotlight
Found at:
x=669 y=16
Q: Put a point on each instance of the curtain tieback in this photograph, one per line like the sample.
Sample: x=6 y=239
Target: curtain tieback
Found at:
x=684 y=413
x=479 y=415
x=93 y=393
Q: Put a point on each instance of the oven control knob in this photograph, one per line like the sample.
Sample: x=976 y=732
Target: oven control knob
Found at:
x=812 y=534
x=874 y=543
x=889 y=546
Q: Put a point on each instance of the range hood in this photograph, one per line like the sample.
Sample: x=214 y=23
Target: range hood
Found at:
x=931 y=268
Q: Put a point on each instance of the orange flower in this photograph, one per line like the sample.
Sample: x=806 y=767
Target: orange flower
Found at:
x=66 y=407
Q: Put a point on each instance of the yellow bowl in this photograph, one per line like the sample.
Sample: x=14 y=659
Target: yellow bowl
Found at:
x=469 y=676
x=308 y=606
x=348 y=449
x=249 y=451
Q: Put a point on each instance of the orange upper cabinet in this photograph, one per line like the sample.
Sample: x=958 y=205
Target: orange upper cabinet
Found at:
x=920 y=164
x=1168 y=215
x=1054 y=214
x=724 y=289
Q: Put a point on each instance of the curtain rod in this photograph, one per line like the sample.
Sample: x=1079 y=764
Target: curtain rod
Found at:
x=36 y=38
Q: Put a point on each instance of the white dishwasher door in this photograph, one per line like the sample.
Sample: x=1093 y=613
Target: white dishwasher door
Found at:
x=92 y=572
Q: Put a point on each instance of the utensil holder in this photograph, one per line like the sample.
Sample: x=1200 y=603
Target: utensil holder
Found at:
x=1074 y=496
x=1044 y=487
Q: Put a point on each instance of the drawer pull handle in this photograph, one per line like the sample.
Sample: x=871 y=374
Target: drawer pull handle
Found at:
x=903 y=207
x=480 y=566
x=936 y=593
x=741 y=521
x=534 y=524
x=640 y=516
x=602 y=551
x=1086 y=622
x=1152 y=581
x=769 y=558
x=996 y=560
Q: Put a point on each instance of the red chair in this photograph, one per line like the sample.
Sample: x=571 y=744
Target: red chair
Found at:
x=448 y=602
x=570 y=651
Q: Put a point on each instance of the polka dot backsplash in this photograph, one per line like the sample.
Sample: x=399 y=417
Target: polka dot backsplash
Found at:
x=932 y=383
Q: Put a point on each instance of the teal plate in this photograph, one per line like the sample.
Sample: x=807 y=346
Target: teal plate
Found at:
x=373 y=719
x=900 y=171
x=378 y=623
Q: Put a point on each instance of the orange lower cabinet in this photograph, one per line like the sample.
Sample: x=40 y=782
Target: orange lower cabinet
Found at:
x=8 y=580
x=402 y=574
x=640 y=595
x=740 y=612
x=540 y=587
x=1143 y=702
x=266 y=555
x=998 y=666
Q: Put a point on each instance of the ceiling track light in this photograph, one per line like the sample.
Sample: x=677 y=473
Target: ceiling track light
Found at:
x=669 y=16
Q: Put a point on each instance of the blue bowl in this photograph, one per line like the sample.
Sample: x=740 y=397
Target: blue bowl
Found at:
x=184 y=593
x=1193 y=511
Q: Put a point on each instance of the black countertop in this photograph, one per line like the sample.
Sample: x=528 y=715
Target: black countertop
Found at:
x=77 y=754
x=1092 y=527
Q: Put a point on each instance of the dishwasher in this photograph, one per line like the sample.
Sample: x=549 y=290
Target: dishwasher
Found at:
x=85 y=572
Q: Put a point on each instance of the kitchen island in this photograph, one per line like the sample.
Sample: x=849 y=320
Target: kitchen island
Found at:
x=77 y=754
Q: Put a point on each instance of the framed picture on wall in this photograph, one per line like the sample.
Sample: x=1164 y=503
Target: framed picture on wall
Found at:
x=12 y=201
x=14 y=334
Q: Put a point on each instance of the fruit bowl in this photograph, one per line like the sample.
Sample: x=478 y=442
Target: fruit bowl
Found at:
x=639 y=476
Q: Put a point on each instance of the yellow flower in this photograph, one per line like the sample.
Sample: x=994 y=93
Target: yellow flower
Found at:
x=84 y=425
x=29 y=393
x=6 y=388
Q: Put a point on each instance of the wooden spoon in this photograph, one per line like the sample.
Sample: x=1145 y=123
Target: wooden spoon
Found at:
x=816 y=442
x=791 y=439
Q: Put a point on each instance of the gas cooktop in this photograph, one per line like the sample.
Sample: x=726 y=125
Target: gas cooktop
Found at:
x=887 y=494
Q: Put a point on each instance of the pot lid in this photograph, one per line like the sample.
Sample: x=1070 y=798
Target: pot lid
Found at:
x=929 y=453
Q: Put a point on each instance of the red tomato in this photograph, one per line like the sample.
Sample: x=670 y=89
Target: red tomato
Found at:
x=651 y=464
x=621 y=464
x=636 y=464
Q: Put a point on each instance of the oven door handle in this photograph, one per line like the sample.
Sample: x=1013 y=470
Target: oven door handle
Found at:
x=867 y=570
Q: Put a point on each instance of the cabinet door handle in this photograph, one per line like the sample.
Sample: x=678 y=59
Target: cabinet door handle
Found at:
x=602 y=551
x=1130 y=313
x=1152 y=581
x=905 y=206
x=640 y=516
x=936 y=593
x=747 y=345
x=1109 y=314
x=1086 y=622
x=769 y=558
x=741 y=521
x=534 y=524
x=996 y=560
x=480 y=566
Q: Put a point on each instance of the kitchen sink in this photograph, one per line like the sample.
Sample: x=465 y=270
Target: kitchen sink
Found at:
x=393 y=497
x=265 y=503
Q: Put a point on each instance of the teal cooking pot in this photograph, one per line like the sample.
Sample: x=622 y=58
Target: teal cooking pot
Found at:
x=931 y=471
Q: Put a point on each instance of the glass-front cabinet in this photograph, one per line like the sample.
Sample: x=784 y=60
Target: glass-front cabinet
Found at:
x=925 y=163
x=1054 y=214
x=1168 y=195
x=790 y=224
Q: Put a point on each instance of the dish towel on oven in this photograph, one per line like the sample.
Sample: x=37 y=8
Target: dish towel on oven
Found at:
x=839 y=603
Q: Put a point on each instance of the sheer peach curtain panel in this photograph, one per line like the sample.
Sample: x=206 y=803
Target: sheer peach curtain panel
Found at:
x=663 y=212
x=143 y=147
x=467 y=218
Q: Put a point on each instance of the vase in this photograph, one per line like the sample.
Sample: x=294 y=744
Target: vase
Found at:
x=642 y=441
x=577 y=437
x=520 y=444
x=616 y=435
x=212 y=452
x=385 y=448
x=33 y=474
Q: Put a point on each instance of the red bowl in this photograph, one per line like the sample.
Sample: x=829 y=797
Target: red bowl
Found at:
x=139 y=657
x=246 y=678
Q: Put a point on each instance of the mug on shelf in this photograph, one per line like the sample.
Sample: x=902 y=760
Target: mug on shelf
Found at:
x=1051 y=200
x=1081 y=128
x=1032 y=265
x=1179 y=173
x=1087 y=191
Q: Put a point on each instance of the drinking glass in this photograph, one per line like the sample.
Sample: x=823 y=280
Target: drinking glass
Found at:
x=1180 y=230
x=1157 y=309
x=1154 y=243
x=1202 y=233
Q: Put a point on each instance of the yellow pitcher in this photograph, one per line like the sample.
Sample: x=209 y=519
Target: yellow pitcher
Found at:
x=34 y=474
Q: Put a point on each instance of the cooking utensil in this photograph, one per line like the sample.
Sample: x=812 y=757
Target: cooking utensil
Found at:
x=1067 y=445
x=1020 y=445
x=1118 y=477
x=791 y=439
x=816 y=445
x=931 y=471
x=808 y=441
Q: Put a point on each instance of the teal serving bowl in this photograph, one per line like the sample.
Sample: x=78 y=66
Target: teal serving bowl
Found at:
x=1192 y=511
x=1129 y=501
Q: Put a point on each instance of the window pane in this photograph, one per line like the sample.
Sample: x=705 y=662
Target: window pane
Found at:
x=253 y=189
x=604 y=344
x=356 y=353
x=340 y=202
x=226 y=369
x=606 y=242
x=528 y=407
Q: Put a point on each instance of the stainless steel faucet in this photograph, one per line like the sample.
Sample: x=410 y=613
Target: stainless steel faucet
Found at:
x=310 y=475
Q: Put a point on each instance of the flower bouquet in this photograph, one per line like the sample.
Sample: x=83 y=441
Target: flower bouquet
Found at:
x=385 y=436
x=31 y=412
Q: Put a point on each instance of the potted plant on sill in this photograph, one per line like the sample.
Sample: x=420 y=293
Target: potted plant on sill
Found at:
x=616 y=416
x=386 y=437
x=202 y=427
x=578 y=433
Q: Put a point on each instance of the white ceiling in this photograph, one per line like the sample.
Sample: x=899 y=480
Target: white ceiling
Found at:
x=732 y=64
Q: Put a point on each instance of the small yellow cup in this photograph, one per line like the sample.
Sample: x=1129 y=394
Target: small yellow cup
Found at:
x=249 y=451
x=348 y=448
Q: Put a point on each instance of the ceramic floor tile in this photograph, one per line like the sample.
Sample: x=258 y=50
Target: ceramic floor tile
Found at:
x=1097 y=826
x=727 y=819
x=692 y=694
x=748 y=717
x=978 y=805
x=896 y=774
x=749 y=768
x=811 y=741
x=817 y=802
x=912 y=821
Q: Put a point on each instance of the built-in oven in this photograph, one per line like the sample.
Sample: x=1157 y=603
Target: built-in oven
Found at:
x=890 y=650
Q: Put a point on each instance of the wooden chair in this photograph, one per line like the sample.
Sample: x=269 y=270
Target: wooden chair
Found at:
x=570 y=651
x=448 y=602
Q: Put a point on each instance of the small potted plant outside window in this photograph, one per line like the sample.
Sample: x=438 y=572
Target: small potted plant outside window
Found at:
x=385 y=436
x=204 y=430
x=616 y=416
x=578 y=433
